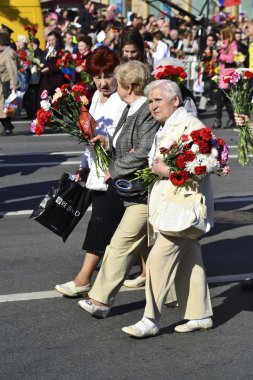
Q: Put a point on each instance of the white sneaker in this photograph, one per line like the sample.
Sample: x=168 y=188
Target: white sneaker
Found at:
x=71 y=290
x=195 y=325
x=136 y=282
x=97 y=311
x=141 y=332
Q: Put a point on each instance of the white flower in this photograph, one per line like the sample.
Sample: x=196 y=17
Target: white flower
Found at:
x=214 y=152
x=195 y=148
x=45 y=104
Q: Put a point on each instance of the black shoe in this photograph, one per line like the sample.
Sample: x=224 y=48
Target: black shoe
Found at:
x=7 y=132
x=217 y=123
x=247 y=284
x=230 y=124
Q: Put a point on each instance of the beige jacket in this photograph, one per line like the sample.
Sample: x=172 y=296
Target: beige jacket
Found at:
x=179 y=123
x=8 y=74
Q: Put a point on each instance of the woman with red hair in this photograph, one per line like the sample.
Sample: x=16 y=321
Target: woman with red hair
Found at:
x=107 y=208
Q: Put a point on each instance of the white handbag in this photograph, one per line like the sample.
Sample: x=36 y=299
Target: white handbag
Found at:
x=177 y=213
x=95 y=180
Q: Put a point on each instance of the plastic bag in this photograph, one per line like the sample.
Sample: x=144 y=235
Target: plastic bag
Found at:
x=63 y=206
x=11 y=104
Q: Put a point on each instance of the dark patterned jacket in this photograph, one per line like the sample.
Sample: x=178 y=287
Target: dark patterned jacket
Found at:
x=138 y=133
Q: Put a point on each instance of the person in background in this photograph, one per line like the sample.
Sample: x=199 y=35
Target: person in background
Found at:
x=8 y=79
x=31 y=97
x=85 y=18
x=208 y=65
x=69 y=45
x=131 y=46
x=174 y=258
x=107 y=208
x=51 y=76
x=227 y=64
x=160 y=48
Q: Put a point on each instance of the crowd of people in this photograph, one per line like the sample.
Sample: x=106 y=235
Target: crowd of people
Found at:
x=137 y=115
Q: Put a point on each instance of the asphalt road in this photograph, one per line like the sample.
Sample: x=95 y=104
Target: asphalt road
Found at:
x=46 y=336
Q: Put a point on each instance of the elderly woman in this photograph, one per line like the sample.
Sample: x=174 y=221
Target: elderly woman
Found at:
x=174 y=257
x=130 y=145
x=107 y=208
x=8 y=79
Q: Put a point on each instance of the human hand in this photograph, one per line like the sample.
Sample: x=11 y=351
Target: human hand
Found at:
x=107 y=176
x=160 y=168
x=79 y=69
x=104 y=141
x=241 y=119
x=45 y=70
x=81 y=174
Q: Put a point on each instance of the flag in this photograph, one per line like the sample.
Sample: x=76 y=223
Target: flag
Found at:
x=87 y=123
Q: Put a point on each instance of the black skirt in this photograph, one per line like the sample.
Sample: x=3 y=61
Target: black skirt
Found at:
x=107 y=212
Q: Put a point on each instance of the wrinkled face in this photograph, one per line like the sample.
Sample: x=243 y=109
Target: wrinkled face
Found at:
x=82 y=47
x=20 y=44
x=160 y=106
x=130 y=52
x=105 y=83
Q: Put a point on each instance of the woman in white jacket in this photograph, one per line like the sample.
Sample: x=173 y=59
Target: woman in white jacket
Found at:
x=174 y=258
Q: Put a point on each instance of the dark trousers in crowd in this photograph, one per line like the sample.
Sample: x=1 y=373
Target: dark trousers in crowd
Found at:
x=221 y=100
x=7 y=125
x=31 y=100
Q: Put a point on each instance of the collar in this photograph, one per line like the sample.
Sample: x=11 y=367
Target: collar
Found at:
x=178 y=117
x=136 y=105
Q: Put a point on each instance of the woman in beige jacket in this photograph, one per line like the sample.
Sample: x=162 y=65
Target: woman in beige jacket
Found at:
x=8 y=78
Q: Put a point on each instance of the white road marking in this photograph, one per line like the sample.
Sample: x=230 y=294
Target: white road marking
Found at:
x=54 y=294
x=222 y=200
x=23 y=212
x=42 y=164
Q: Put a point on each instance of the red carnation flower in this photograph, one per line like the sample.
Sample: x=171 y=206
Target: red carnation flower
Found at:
x=199 y=170
x=180 y=161
x=195 y=135
x=248 y=74
x=185 y=138
x=204 y=147
x=179 y=178
x=221 y=142
x=206 y=134
x=189 y=156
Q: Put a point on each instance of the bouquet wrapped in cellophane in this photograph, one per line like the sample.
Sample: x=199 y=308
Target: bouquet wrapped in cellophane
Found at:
x=66 y=112
x=191 y=158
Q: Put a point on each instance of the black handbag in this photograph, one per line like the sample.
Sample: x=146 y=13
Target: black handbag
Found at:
x=63 y=206
x=128 y=188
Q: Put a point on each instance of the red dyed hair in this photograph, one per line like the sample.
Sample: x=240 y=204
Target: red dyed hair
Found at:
x=102 y=60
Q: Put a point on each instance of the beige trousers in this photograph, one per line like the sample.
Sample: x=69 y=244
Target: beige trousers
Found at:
x=128 y=242
x=177 y=259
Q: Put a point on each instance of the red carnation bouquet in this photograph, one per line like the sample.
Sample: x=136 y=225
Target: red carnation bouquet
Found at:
x=194 y=156
x=175 y=73
x=68 y=62
x=66 y=112
x=240 y=93
x=24 y=60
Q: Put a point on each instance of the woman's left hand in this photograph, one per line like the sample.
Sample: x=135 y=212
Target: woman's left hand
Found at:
x=107 y=176
x=160 y=168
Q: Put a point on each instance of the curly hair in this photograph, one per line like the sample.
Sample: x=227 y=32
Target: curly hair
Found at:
x=101 y=60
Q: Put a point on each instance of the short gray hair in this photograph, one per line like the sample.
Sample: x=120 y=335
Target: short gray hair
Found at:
x=170 y=88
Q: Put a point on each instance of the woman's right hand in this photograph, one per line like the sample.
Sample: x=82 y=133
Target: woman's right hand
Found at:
x=104 y=141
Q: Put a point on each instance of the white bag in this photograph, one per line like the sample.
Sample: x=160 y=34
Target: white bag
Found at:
x=179 y=212
x=95 y=180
